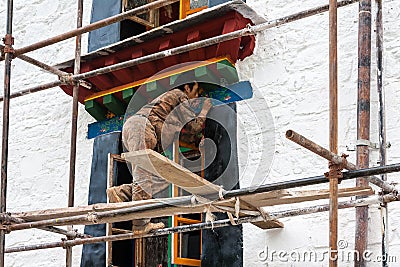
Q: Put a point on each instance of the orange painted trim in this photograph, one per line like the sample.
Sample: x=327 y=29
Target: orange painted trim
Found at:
x=187 y=262
x=186 y=220
x=158 y=77
x=192 y=11
x=184 y=9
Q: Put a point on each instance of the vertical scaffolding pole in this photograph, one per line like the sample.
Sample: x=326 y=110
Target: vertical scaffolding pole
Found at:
x=363 y=120
x=74 y=124
x=382 y=124
x=8 y=41
x=333 y=131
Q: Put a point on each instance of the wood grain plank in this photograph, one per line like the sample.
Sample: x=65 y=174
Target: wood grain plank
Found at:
x=170 y=171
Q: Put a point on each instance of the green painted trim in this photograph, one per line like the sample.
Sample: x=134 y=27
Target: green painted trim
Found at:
x=172 y=79
x=205 y=74
x=170 y=235
x=155 y=89
x=96 y=110
x=228 y=72
x=127 y=95
x=114 y=104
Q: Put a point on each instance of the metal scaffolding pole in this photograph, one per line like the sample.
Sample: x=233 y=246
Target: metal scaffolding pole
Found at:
x=39 y=64
x=382 y=125
x=8 y=41
x=74 y=124
x=363 y=120
x=250 y=30
x=334 y=169
x=335 y=159
x=102 y=216
x=94 y=26
x=208 y=225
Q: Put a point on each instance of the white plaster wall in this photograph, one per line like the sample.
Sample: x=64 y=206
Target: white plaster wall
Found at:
x=290 y=69
x=40 y=127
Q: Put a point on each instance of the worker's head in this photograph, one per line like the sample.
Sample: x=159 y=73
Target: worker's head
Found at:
x=190 y=89
x=186 y=82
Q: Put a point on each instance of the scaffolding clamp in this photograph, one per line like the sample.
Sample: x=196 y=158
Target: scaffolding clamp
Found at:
x=66 y=79
x=335 y=170
x=8 y=41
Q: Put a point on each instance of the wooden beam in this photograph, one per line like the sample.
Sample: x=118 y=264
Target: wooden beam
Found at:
x=96 y=110
x=171 y=172
x=114 y=105
x=290 y=197
x=141 y=21
x=124 y=76
x=228 y=72
x=197 y=54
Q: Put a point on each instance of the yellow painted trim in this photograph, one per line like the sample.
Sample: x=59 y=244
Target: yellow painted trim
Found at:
x=157 y=77
x=182 y=14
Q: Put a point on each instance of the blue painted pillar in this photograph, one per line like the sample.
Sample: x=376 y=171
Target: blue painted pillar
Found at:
x=95 y=254
x=110 y=34
x=223 y=247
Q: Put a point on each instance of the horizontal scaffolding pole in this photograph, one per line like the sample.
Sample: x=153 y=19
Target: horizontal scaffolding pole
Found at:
x=334 y=158
x=208 y=225
x=52 y=229
x=40 y=64
x=100 y=217
x=94 y=26
x=250 y=30
x=319 y=150
x=317 y=180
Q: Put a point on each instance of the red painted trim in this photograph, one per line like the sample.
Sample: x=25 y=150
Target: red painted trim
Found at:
x=229 y=22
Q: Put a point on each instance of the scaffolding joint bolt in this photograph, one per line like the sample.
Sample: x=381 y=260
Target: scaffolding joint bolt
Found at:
x=335 y=170
x=8 y=41
x=66 y=79
x=63 y=243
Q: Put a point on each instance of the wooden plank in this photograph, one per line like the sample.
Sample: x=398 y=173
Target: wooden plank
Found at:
x=156 y=213
x=274 y=198
x=171 y=172
x=271 y=224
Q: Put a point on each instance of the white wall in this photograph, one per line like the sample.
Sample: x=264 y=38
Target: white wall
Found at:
x=290 y=69
x=40 y=127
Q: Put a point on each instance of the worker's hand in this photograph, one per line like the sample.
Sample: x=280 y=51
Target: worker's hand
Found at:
x=207 y=105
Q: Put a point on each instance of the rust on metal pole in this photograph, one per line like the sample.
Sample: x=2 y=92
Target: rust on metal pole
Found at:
x=334 y=170
x=363 y=120
x=40 y=64
x=251 y=30
x=382 y=125
x=319 y=150
x=103 y=215
x=8 y=50
x=93 y=26
x=74 y=124
x=222 y=223
x=335 y=159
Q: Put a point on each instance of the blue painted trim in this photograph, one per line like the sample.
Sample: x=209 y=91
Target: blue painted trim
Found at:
x=223 y=95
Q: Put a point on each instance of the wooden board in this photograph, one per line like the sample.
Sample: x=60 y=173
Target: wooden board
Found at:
x=289 y=197
x=172 y=172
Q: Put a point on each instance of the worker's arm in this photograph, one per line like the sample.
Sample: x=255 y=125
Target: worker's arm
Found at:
x=194 y=124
